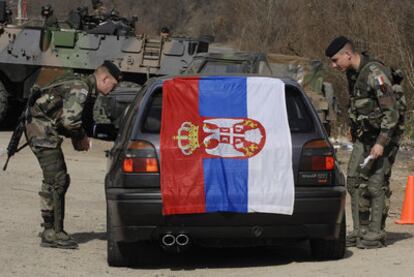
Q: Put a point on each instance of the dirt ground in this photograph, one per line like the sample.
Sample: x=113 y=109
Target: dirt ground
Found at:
x=20 y=254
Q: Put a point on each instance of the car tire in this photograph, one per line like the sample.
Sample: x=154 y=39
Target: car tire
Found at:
x=118 y=254
x=126 y=254
x=329 y=249
x=3 y=102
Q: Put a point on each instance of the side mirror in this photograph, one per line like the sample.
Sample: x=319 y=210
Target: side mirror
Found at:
x=104 y=132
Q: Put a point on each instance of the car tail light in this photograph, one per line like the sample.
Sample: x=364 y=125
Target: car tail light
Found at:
x=140 y=157
x=317 y=163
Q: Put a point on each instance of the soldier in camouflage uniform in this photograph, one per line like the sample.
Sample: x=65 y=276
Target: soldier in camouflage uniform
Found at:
x=55 y=111
x=51 y=21
x=376 y=114
x=100 y=11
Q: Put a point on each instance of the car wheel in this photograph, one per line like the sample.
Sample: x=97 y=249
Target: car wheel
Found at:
x=118 y=254
x=325 y=249
x=137 y=254
x=125 y=254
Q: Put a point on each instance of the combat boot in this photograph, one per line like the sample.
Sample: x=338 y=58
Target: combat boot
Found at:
x=372 y=240
x=353 y=237
x=360 y=219
x=57 y=237
x=376 y=236
x=50 y=238
x=48 y=220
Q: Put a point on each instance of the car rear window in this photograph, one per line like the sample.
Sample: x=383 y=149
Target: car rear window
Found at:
x=224 y=67
x=152 y=121
x=298 y=113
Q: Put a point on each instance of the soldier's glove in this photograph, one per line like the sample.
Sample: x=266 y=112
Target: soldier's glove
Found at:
x=82 y=144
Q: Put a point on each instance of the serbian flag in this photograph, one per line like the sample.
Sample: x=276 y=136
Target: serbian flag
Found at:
x=225 y=146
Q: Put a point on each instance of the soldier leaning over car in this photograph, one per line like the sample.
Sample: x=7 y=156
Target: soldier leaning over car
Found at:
x=55 y=111
x=376 y=114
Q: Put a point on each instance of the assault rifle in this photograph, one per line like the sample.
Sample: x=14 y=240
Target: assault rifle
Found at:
x=13 y=146
x=14 y=142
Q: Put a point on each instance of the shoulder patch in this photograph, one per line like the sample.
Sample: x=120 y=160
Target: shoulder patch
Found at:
x=376 y=69
x=84 y=91
x=81 y=95
x=372 y=67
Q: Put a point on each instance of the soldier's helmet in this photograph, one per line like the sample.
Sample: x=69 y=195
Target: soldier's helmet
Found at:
x=46 y=10
x=165 y=30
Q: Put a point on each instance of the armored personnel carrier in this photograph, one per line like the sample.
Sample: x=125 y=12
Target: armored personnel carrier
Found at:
x=30 y=55
x=309 y=73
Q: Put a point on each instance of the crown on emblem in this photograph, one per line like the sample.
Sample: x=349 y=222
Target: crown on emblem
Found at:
x=187 y=138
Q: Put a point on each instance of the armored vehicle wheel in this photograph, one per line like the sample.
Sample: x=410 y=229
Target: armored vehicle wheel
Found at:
x=324 y=249
x=3 y=102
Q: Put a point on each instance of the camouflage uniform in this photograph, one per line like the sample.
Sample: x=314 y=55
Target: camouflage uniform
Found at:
x=56 y=112
x=100 y=13
x=376 y=113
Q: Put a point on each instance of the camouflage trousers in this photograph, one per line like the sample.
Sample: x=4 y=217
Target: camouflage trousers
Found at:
x=369 y=188
x=54 y=186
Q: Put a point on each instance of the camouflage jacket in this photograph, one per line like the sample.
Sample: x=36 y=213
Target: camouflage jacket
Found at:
x=374 y=108
x=58 y=111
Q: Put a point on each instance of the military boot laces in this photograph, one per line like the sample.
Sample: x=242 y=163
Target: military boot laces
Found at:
x=57 y=240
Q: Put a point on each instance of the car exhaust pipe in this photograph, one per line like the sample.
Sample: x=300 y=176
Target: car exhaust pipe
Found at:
x=182 y=240
x=168 y=240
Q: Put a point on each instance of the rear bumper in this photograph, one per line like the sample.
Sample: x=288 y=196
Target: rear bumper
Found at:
x=136 y=215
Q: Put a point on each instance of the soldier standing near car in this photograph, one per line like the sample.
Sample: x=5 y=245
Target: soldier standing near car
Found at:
x=55 y=111
x=376 y=113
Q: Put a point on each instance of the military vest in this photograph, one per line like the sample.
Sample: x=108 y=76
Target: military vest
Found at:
x=364 y=107
x=50 y=97
x=54 y=107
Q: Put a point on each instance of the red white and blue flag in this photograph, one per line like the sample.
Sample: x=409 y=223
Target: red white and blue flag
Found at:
x=225 y=146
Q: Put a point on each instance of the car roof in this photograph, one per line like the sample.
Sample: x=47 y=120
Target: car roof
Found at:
x=161 y=79
x=233 y=56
